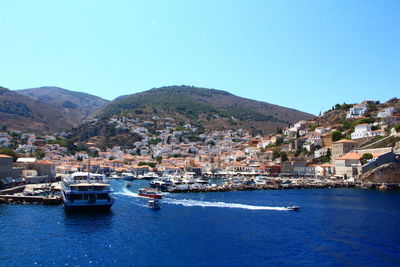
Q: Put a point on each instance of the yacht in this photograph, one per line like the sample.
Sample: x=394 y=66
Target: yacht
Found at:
x=86 y=190
x=127 y=176
x=150 y=175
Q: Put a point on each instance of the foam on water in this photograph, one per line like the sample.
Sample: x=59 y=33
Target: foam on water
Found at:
x=218 y=204
x=199 y=203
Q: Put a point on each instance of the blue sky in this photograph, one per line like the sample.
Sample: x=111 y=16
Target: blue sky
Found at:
x=306 y=55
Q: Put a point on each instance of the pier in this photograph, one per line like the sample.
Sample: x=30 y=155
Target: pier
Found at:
x=244 y=187
x=46 y=200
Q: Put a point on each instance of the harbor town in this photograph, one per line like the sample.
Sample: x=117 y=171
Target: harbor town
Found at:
x=177 y=157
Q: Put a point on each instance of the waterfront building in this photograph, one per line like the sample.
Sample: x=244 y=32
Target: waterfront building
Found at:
x=346 y=166
x=339 y=148
x=9 y=176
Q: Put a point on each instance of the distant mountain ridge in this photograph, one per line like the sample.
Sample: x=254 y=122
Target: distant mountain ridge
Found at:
x=215 y=109
x=24 y=113
x=77 y=106
x=56 y=109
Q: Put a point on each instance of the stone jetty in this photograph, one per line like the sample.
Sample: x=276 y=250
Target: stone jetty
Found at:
x=46 y=200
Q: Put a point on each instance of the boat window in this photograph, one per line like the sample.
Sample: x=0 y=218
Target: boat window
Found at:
x=102 y=196
x=76 y=197
x=98 y=188
x=83 y=188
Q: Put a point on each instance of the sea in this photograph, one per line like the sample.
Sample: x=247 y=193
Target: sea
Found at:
x=334 y=227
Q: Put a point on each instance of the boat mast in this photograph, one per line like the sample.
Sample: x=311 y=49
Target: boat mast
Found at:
x=88 y=176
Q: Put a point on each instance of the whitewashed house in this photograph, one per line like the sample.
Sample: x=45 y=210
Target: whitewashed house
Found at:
x=364 y=130
x=386 y=112
x=356 y=111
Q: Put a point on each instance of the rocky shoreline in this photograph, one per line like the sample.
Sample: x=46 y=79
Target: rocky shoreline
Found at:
x=243 y=187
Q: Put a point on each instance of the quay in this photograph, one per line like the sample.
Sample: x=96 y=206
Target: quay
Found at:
x=46 y=200
x=244 y=187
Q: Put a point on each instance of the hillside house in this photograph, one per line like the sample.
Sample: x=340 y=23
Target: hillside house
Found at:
x=364 y=130
x=357 y=111
x=391 y=120
x=386 y=112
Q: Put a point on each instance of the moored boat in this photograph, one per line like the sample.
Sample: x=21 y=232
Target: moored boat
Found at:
x=86 y=190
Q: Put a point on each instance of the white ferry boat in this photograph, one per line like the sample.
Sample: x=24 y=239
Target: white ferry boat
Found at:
x=86 y=190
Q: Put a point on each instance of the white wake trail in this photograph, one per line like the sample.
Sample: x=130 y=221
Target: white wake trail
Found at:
x=199 y=203
x=126 y=192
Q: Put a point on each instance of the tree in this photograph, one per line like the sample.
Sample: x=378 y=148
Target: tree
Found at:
x=111 y=158
x=276 y=154
x=329 y=153
x=364 y=158
x=284 y=156
x=39 y=154
x=9 y=152
x=336 y=135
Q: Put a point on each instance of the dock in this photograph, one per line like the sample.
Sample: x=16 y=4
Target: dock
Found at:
x=46 y=200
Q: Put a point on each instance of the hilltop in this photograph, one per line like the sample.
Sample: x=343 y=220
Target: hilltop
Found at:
x=27 y=114
x=211 y=108
x=337 y=114
x=76 y=106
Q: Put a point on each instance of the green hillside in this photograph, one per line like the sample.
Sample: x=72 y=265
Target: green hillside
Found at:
x=215 y=109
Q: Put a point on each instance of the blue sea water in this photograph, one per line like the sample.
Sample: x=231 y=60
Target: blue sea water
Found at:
x=248 y=228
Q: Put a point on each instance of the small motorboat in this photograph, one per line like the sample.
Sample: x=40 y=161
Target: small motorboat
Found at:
x=292 y=207
x=154 y=204
x=150 y=192
x=128 y=185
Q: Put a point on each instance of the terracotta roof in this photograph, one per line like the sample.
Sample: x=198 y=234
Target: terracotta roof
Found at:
x=350 y=155
x=4 y=156
x=345 y=141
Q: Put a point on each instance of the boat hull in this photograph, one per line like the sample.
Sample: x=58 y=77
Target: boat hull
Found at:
x=88 y=208
x=151 y=196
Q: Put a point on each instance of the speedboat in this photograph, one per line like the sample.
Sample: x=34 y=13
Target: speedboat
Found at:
x=154 y=204
x=150 y=192
x=292 y=207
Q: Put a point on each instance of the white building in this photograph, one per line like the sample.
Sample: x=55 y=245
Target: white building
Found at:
x=386 y=112
x=356 y=111
x=364 y=130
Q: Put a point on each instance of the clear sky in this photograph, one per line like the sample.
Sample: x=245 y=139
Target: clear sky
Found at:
x=306 y=55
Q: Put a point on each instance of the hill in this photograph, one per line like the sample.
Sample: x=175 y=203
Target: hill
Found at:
x=77 y=106
x=27 y=114
x=337 y=114
x=214 y=109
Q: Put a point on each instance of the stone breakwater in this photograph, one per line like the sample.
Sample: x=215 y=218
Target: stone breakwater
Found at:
x=243 y=187
x=13 y=199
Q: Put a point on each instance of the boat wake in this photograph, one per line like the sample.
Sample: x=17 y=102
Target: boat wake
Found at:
x=128 y=193
x=212 y=204
x=198 y=203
